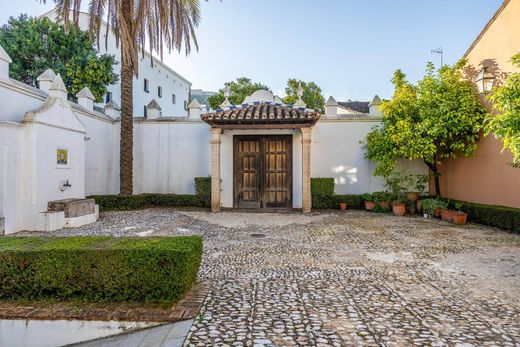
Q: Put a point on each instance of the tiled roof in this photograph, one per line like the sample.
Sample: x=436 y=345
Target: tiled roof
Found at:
x=357 y=106
x=262 y=113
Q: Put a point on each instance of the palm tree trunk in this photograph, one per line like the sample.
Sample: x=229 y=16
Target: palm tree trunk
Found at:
x=126 y=156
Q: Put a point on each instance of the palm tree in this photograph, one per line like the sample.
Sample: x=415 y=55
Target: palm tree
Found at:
x=136 y=23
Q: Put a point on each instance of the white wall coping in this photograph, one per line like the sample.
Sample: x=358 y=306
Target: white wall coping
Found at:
x=10 y=124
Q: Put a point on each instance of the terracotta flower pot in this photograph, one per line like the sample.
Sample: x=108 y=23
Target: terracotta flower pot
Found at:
x=399 y=209
x=459 y=218
x=446 y=215
x=369 y=205
x=414 y=196
x=342 y=206
x=437 y=213
x=384 y=204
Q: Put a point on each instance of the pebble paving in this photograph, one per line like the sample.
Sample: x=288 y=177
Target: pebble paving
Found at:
x=342 y=279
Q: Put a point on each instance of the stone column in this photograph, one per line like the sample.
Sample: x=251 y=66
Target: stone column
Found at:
x=215 y=169
x=306 y=166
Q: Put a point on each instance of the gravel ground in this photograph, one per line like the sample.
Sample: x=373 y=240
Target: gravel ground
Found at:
x=342 y=279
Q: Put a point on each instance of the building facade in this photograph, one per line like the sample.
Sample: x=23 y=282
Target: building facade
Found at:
x=154 y=81
x=487 y=177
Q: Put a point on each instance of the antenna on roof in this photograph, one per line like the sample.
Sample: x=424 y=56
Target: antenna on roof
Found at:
x=438 y=51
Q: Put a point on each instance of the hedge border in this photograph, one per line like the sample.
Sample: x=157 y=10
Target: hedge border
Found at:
x=98 y=268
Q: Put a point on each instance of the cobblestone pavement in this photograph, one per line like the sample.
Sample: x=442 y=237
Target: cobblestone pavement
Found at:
x=349 y=279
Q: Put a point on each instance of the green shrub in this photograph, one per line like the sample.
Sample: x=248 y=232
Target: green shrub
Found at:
x=100 y=269
x=332 y=201
x=203 y=189
x=322 y=186
x=134 y=202
x=507 y=218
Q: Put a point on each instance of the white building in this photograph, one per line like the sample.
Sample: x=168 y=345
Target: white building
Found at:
x=156 y=80
x=259 y=154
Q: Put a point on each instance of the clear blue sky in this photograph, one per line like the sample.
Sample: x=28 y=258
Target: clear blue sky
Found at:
x=349 y=48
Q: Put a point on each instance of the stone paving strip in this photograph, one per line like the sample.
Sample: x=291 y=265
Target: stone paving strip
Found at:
x=342 y=279
x=185 y=309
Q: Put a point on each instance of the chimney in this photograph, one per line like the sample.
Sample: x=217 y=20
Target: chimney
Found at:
x=57 y=88
x=331 y=108
x=5 y=60
x=194 y=109
x=86 y=99
x=375 y=107
x=45 y=80
x=112 y=109
x=153 y=110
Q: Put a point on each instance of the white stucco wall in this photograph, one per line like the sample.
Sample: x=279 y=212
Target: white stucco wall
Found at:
x=169 y=155
x=10 y=175
x=158 y=75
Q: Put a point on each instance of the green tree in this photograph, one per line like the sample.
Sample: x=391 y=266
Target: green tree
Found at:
x=238 y=91
x=35 y=45
x=136 y=25
x=505 y=124
x=438 y=118
x=311 y=94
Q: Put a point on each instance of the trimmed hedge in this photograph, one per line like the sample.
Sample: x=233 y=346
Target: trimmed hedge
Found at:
x=507 y=218
x=323 y=197
x=100 y=269
x=134 y=202
x=322 y=186
x=203 y=189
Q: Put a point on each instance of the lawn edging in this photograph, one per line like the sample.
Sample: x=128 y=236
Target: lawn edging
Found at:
x=98 y=269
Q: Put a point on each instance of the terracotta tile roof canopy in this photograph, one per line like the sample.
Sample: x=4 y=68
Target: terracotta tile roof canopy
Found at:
x=262 y=115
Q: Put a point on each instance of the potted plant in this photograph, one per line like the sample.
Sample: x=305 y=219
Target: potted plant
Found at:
x=458 y=216
x=420 y=185
x=411 y=206
x=439 y=205
x=395 y=183
x=446 y=213
x=369 y=201
x=410 y=184
x=342 y=205
x=381 y=199
x=428 y=207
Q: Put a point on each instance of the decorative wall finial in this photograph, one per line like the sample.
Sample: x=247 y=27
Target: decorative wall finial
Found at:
x=299 y=92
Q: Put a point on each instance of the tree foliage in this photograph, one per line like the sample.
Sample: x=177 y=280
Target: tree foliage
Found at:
x=437 y=119
x=36 y=45
x=239 y=90
x=311 y=94
x=506 y=123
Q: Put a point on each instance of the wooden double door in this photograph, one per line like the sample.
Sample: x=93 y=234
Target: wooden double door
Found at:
x=262 y=171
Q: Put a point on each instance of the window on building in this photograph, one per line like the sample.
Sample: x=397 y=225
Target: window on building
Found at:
x=159 y=91
x=174 y=99
x=108 y=97
x=146 y=86
x=145 y=111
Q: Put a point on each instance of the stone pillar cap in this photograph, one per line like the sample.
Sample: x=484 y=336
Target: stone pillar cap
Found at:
x=58 y=84
x=112 y=105
x=153 y=105
x=85 y=93
x=47 y=75
x=194 y=104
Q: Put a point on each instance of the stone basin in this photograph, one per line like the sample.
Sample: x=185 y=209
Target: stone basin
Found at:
x=73 y=207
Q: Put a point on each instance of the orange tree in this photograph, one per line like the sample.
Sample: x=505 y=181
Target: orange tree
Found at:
x=438 y=118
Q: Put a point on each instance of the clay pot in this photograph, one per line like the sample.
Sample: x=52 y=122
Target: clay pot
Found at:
x=437 y=213
x=414 y=196
x=369 y=205
x=342 y=206
x=446 y=215
x=384 y=204
x=399 y=209
x=459 y=218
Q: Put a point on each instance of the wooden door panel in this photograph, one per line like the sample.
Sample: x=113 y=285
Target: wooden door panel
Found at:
x=262 y=171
